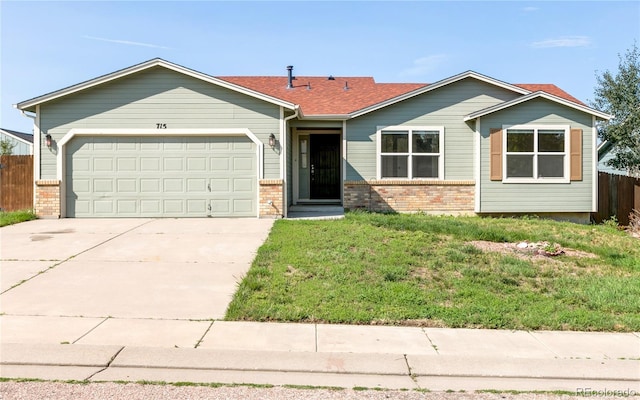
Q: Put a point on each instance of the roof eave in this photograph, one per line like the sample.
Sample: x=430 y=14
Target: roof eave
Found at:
x=333 y=117
x=29 y=104
x=534 y=95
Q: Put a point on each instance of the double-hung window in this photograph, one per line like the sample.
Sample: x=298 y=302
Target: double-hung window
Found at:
x=536 y=153
x=411 y=152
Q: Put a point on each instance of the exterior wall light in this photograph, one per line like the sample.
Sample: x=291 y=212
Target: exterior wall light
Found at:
x=47 y=140
x=272 y=140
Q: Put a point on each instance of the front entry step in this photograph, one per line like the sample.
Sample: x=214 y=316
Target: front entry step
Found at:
x=315 y=211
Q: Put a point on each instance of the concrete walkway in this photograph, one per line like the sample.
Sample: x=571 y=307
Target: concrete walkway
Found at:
x=131 y=300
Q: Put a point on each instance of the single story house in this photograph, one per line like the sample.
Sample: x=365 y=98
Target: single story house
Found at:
x=160 y=140
x=22 y=143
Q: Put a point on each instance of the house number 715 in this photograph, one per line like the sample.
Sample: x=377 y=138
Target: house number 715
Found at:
x=161 y=126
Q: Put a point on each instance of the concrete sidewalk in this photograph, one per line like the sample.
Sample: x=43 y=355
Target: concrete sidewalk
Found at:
x=142 y=299
x=326 y=355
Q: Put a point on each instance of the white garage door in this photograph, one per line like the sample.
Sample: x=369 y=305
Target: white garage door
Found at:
x=188 y=176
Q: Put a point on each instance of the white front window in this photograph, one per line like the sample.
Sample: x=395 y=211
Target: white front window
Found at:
x=410 y=152
x=536 y=153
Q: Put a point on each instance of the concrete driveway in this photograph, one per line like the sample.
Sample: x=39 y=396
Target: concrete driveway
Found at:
x=63 y=279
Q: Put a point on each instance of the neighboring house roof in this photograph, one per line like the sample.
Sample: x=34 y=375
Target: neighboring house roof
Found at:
x=603 y=149
x=21 y=136
x=321 y=97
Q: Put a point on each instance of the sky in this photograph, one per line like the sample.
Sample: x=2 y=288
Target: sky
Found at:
x=49 y=45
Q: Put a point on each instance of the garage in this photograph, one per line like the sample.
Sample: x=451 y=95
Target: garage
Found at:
x=161 y=176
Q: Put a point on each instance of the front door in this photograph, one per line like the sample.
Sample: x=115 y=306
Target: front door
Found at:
x=324 y=164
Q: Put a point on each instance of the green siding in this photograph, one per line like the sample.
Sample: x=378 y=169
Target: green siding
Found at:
x=445 y=106
x=159 y=95
x=576 y=196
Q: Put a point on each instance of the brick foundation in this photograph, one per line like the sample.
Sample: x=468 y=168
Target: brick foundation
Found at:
x=410 y=196
x=48 y=198
x=271 y=191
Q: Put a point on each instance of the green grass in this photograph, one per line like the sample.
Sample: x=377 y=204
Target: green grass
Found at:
x=15 y=217
x=420 y=270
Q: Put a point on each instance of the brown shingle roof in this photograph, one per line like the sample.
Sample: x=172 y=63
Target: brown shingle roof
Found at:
x=321 y=96
x=344 y=95
x=549 y=88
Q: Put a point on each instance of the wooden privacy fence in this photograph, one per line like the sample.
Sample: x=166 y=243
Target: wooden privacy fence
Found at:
x=16 y=183
x=617 y=196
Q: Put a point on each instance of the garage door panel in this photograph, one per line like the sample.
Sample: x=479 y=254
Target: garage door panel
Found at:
x=243 y=185
x=103 y=185
x=197 y=164
x=241 y=206
x=196 y=185
x=126 y=146
x=174 y=164
x=150 y=185
x=129 y=207
x=243 y=164
x=127 y=185
x=172 y=185
x=173 y=206
x=221 y=207
x=126 y=164
x=103 y=164
x=150 y=207
x=197 y=206
x=101 y=207
x=161 y=176
x=220 y=164
x=150 y=164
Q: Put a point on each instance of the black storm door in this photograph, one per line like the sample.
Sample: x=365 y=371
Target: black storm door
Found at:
x=325 y=166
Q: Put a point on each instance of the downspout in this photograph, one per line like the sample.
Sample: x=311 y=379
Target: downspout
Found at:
x=283 y=166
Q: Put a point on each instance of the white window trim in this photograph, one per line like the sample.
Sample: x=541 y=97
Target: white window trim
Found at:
x=535 y=179
x=410 y=129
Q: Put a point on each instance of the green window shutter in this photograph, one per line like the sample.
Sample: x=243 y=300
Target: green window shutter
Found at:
x=495 y=160
x=576 y=155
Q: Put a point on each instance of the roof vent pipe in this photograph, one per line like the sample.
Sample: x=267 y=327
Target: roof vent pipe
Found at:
x=290 y=76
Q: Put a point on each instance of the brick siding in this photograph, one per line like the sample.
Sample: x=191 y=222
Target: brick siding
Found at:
x=271 y=191
x=48 y=198
x=410 y=196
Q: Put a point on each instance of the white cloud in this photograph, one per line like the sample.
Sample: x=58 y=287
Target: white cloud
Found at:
x=530 y=9
x=567 y=41
x=424 y=65
x=127 y=42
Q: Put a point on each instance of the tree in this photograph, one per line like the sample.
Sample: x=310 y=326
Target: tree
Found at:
x=6 y=147
x=619 y=95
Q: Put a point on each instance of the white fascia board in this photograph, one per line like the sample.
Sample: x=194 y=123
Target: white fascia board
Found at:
x=535 y=95
x=325 y=117
x=437 y=85
x=141 y=67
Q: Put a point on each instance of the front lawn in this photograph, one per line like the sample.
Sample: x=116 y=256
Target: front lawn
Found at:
x=444 y=271
x=15 y=217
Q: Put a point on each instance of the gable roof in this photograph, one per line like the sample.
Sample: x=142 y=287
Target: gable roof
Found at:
x=21 y=136
x=536 y=95
x=29 y=105
x=321 y=97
